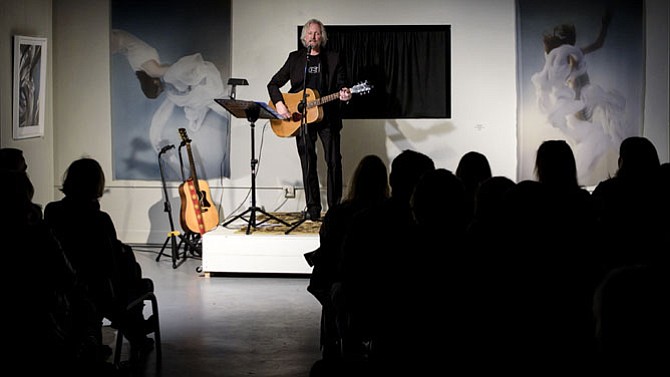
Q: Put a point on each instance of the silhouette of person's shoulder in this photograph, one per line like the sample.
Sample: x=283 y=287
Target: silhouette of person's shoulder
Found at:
x=381 y=218
x=54 y=208
x=607 y=187
x=343 y=210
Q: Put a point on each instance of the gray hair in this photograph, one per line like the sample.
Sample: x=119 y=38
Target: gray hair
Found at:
x=324 y=36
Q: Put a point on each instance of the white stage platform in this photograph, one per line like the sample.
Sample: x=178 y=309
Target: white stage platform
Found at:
x=230 y=250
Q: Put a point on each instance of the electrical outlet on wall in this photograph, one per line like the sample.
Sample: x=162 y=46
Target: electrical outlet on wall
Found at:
x=289 y=192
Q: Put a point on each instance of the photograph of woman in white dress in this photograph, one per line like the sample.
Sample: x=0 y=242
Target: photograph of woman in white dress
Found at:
x=165 y=75
x=580 y=79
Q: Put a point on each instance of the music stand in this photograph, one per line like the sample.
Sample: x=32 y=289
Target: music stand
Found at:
x=252 y=111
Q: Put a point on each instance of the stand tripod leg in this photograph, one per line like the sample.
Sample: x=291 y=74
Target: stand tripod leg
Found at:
x=172 y=237
x=251 y=221
x=240 y=216
x=163 y=248
x=192 y=243
x=271 y=217
x=196 y=244
x=297 y=223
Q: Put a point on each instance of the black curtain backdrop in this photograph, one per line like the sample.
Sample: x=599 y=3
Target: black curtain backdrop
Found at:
x=409 y=67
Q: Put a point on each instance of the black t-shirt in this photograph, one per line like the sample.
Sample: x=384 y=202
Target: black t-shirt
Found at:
x=314 y=70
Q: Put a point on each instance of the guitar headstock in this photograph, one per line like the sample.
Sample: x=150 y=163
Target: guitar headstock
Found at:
x=361 y=88
x=183 y=135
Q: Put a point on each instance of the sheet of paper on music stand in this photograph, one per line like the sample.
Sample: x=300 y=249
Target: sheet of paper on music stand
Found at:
x=239 y=108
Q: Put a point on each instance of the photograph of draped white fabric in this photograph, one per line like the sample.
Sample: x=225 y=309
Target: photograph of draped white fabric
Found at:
x=580 y=79
x=169 y=60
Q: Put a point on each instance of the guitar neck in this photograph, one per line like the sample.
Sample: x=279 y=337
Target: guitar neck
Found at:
x=325 y=99
x=191 y=162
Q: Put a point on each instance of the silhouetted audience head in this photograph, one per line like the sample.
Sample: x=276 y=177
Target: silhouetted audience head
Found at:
x=664 y=173
x=19 y=209
x=555 y=164
x=370 y=181
x=12 y=159
x=665 y=169
x=638 y=158
x=473 y=168
x=490 y=196
x=439 y=200
x=632 y=207
x=18 y=187
x=406 y=169
x=46 y=306
x=527 y=210
x=631 y=308
x=84 y=179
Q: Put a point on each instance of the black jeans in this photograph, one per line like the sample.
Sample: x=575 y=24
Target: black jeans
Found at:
x=330 y=140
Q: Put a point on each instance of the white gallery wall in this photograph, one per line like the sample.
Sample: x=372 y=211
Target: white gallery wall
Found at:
x=263 y=33
x=30 y=18
x=483 y=80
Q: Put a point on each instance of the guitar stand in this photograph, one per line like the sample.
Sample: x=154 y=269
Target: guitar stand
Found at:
x=190 y=240
x=252 y=111
x=173 y=234
x=192 y=245
x=171 y=237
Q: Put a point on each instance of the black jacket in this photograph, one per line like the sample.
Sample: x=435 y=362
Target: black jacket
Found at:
x=293 y=70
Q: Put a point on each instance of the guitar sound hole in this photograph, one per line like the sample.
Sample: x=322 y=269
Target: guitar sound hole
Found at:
x=296 y=117
x=203 y=197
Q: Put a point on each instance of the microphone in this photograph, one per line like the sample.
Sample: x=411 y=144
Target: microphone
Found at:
x=309 y=49
x=166 y=148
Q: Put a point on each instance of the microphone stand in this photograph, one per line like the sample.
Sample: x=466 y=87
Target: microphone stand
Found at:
x=303 y=134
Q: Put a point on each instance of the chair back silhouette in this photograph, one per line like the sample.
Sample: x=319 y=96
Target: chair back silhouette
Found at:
x=153 y=323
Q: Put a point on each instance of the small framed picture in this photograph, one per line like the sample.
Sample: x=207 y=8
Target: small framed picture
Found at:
x=29 y=98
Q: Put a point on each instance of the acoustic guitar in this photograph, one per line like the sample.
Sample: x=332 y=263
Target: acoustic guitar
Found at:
x=314 y=111
x=198 y=215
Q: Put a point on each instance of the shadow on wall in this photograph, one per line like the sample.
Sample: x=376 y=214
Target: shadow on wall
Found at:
x=159 y=220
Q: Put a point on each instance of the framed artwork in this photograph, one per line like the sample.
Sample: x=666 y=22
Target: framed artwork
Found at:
x=29 y=95
x=580 y=79
x=165 y=72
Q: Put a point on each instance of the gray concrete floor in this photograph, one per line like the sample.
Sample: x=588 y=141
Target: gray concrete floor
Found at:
x=230 y=326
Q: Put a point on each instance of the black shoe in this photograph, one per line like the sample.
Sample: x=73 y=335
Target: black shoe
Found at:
x=313 y=214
